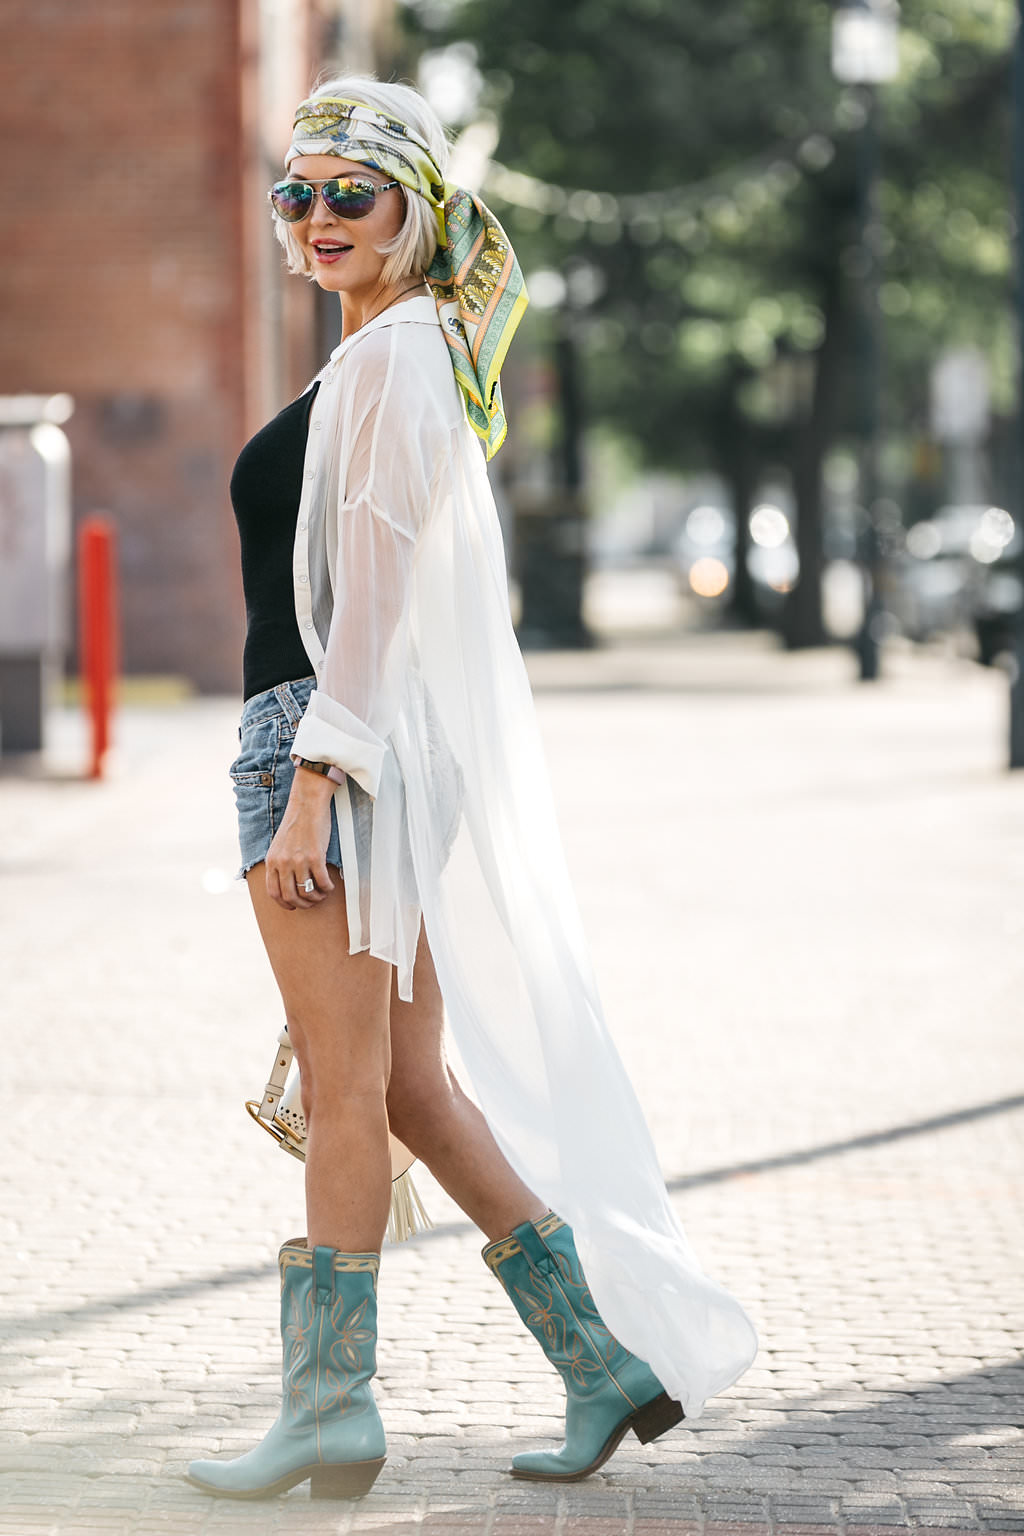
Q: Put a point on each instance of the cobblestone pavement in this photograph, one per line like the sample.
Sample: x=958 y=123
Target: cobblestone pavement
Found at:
x=813 y=968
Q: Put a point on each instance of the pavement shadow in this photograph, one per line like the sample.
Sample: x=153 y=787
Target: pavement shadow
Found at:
x=55 y=1319
x=827 y=1149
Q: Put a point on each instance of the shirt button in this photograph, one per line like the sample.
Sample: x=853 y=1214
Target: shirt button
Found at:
x=309 y=474
x=303 y=579
x=317 y=425
x=309 y=623
x=302 y=527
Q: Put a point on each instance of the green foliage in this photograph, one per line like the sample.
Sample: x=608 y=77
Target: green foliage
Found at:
x=713 y=158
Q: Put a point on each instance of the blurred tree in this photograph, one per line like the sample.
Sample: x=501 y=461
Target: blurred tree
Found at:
x=699 y=164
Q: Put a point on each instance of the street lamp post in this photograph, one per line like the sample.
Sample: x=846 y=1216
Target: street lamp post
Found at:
x=865 y=52
x=550 y=535
x=1016 y=753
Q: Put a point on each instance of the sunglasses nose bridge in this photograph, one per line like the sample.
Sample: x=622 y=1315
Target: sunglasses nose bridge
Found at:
x=320 y=213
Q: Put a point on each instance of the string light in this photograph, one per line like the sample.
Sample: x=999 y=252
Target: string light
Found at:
x=727 y=199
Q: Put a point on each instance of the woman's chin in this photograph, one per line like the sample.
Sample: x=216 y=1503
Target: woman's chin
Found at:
x=334 y=279
x=328 y=279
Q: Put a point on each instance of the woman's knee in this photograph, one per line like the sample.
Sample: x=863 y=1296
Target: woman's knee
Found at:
x=334 y=1064
x=419 y=1107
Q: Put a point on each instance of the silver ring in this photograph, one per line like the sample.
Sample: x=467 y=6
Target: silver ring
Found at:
x=308 y=885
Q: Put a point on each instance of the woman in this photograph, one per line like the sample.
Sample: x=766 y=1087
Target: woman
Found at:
x=400 y=847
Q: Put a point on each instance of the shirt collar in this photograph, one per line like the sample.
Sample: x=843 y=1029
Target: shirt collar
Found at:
x=419 y=311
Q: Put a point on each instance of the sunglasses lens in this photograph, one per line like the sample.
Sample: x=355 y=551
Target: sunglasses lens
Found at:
x=292 y=200
x=349 y=199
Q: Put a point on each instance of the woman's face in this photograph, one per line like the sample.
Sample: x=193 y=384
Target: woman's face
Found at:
x=341 y=252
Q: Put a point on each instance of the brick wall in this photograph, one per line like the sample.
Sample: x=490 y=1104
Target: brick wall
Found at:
x=130 y=280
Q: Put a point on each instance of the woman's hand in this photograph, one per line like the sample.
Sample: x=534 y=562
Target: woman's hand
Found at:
x=299 y=849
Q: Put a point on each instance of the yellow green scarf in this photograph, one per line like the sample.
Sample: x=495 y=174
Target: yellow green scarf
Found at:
x=475 y=278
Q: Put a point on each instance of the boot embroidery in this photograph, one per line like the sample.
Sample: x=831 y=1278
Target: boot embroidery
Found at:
x=580 y=1367
x=540 y=1314
x=345 y=1357
x=298 y=1389
x=583 y=1302
x=346 y=1351
x=298 y=1374
x=568 y=1352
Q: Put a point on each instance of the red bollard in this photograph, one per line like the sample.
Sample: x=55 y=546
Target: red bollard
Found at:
x=97 y=629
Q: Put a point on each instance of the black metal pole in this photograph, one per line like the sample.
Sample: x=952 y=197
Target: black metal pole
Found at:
x=866 y=642
x=1016 y=753
x=571 y=540
x=550 y=536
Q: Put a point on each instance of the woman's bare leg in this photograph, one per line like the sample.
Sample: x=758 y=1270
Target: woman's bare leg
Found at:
x=431 y=1114
x=336 y=1005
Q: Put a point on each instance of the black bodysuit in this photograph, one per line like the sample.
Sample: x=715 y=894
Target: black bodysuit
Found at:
x=266 y=485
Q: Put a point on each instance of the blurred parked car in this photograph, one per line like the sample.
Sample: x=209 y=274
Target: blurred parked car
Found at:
x=957 y=570
x=705 y=554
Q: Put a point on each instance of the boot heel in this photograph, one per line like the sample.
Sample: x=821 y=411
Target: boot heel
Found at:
x=348 y=1481
x=655 y=1417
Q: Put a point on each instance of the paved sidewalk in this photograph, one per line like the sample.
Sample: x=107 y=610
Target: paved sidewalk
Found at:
x=815 y=977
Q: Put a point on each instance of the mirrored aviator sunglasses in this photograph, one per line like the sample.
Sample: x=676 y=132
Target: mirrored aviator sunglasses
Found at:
x=347 y=197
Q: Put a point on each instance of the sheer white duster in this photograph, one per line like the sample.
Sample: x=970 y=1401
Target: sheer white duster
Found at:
x=422 y=698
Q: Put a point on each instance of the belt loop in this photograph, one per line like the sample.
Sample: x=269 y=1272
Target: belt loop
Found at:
x=288 y=702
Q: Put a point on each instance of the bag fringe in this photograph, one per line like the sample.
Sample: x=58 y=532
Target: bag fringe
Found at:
x=408 y=1214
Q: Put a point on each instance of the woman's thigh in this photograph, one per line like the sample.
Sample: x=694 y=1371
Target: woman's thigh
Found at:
x=336 y=1003
x=420 y=1077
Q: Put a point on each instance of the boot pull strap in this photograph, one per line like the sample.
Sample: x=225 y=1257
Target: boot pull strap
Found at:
x=323 y=1272
x=538 y=1254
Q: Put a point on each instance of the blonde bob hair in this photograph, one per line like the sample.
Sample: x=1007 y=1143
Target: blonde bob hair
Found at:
x=412 y=250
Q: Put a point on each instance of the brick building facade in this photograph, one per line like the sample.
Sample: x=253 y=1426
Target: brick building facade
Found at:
x=140 y=274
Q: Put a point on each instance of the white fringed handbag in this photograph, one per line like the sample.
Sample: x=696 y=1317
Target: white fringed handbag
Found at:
x=280 y=1114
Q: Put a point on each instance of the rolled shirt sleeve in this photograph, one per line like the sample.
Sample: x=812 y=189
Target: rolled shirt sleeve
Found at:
x=330 y=733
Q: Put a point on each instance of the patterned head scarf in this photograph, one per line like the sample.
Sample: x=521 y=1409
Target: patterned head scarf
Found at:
x=475 y=279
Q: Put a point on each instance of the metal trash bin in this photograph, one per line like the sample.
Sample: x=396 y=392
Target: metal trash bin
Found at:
x=35 y=558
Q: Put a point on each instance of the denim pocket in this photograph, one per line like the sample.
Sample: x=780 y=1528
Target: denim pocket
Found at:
x=257 y=752
x=253 y=774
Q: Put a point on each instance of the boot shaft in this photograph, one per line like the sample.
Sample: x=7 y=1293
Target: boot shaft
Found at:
x=328 y=1332
x=540 y=1269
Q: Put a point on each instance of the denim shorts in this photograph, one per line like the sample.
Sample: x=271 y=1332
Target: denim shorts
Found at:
x=263 y=770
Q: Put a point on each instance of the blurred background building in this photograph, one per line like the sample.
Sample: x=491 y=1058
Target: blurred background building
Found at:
x=141 y=277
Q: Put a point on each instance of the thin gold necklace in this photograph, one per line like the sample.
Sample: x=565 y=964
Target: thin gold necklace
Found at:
x=389 y=303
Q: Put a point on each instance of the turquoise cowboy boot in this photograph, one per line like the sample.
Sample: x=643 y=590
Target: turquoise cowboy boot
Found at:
x=328 y=1430
x=608 y=1391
